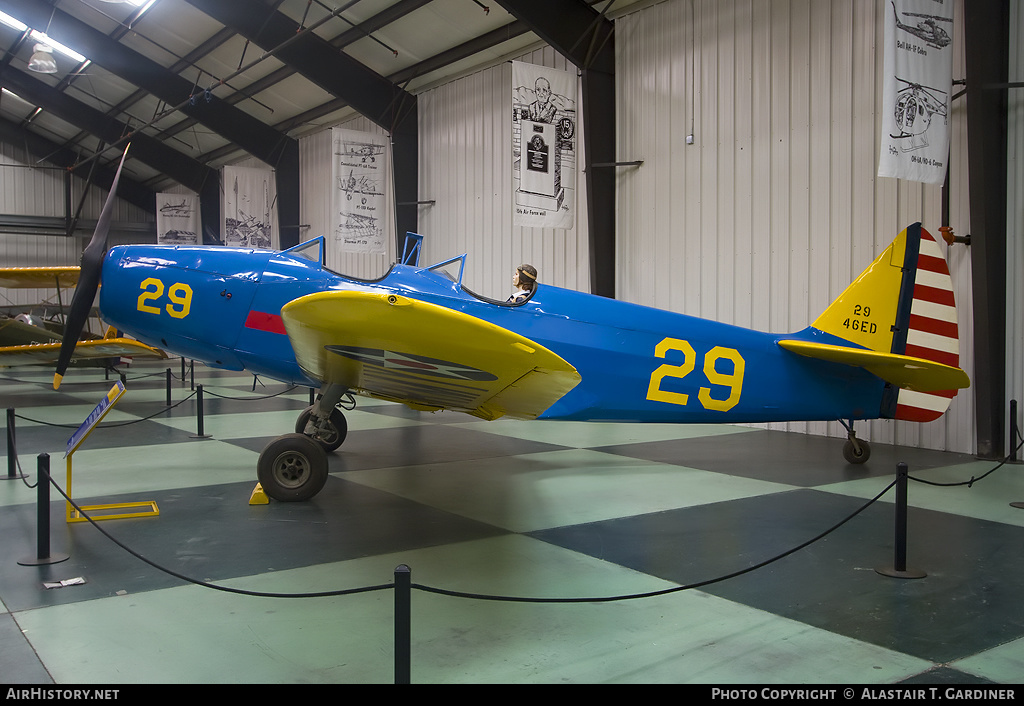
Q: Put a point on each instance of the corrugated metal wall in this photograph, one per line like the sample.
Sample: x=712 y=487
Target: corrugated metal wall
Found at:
x=465 y=137
x=466 y=169
x=775 y=207
x=315 y=155
x=29 y=188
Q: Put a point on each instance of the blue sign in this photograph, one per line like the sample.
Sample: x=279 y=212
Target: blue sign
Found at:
x=94 y=418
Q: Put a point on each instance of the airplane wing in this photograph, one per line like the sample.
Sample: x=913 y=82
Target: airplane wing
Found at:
x=38 y=277
x=903 y=371
x=47 y=353
x=427 y=356
x=22 y=344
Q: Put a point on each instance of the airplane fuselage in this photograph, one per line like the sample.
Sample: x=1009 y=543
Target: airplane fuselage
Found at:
x=222 y=306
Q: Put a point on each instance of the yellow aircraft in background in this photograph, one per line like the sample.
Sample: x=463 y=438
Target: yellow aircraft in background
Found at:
x=24 y=340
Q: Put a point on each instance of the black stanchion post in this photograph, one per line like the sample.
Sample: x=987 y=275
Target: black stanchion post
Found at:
x=403 y=626
x=12 y=460
x=1014 y=443
x=899 y=569
x=1014 y=432
x=43 y=555
x=200 y=434
x=183 y=370
x=168 y=387
x=12 y=449
x=192 y=374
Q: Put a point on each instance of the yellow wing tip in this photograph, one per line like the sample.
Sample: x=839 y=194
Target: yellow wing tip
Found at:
x=57 y=377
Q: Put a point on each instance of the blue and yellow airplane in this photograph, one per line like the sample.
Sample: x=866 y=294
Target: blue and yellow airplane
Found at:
x=886 y=348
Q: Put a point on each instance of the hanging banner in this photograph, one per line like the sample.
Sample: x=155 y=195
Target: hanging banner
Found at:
x=359 y=175
x=918 y=78
x=250 y=208
x=543 y=146
x=177 y=219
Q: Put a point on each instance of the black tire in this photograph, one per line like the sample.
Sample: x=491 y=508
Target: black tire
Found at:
x=852 y=455
x=292 y=468
x=337 y=428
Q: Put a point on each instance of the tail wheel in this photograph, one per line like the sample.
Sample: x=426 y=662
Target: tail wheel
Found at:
x=292 y=468
x=856 y=451
x=332 y=436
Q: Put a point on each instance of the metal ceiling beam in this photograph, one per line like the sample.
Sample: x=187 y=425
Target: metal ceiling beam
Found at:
x=381 y=19
x=462 y=51
x=363 y=29
x=128 y=189
x=986 y=34
x=586 y=37
x=188 y=60
x=371 y=94
x=184 y=170
x=250 y=134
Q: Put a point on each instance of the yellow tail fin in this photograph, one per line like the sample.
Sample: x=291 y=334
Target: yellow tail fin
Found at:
x=866 y=313
x=902 y=306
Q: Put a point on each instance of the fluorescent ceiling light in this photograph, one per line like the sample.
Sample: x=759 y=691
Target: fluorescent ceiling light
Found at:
x=40 y=37
x=11 y=22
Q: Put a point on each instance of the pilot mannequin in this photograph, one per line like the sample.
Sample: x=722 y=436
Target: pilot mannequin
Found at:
x=524 y=280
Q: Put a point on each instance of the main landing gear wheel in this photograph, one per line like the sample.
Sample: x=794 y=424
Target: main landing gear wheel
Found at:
x=856 y=451
x=292 y=468
x=330 y=437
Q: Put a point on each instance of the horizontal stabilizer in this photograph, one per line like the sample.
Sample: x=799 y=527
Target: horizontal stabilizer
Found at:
x=903 y=371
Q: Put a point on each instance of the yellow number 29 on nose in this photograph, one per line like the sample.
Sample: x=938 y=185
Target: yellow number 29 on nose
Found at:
x=181 y=300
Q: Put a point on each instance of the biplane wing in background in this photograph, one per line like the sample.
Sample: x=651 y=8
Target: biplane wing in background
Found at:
x=39 y=277
x=886 y=348
x=24 y=340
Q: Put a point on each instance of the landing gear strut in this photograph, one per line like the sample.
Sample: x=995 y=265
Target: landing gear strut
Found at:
x=294 y=467
x=323 y=421
x=330 y=433
x=855 y=451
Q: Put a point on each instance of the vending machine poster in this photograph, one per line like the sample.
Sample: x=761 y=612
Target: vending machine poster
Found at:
x=544 y=121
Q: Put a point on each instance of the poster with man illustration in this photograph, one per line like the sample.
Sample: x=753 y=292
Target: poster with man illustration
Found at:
x=544 y=123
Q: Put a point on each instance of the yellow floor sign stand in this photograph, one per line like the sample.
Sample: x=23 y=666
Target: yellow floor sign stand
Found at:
x=105 y=512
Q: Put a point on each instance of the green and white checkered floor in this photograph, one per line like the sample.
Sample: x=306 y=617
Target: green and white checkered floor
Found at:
x=506 y=508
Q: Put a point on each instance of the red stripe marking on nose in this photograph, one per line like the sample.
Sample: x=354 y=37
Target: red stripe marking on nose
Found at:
x=262 y=321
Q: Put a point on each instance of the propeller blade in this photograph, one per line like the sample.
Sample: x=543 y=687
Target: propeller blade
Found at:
x=88 y=280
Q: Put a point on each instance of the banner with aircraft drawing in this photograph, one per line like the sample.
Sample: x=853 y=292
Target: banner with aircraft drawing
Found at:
x=250 y=208
x=359 y=178
x=544 y=123
x=918 y=78
x=177 y=219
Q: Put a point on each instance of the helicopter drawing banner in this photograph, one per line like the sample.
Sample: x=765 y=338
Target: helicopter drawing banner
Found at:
x=918 y=76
